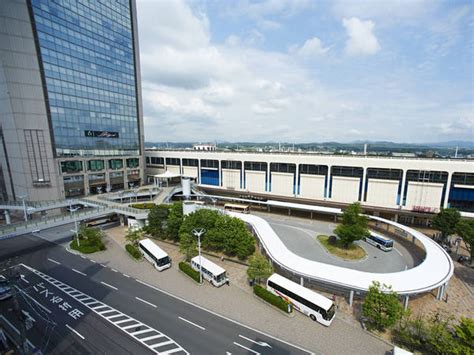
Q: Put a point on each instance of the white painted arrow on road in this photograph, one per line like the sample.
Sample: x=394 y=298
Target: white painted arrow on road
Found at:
x=261 y=343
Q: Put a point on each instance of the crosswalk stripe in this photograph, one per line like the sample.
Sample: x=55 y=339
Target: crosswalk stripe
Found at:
x=172 y=351
x=99 y=307
x=122 y=321
x=138 y=332
x=114 y=316
x=106 y=311
x=152 y=337
x=132 y=326
x=159 y=345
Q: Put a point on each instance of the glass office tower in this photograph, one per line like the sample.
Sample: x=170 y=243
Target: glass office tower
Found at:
x=70 y=82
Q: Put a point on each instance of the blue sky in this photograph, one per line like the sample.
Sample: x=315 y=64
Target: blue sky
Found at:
x=307 y=71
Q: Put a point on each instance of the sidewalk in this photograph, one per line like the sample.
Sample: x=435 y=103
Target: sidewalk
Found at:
x=238 y=303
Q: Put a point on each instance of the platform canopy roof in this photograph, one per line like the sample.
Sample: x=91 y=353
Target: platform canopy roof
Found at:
x=167 y=175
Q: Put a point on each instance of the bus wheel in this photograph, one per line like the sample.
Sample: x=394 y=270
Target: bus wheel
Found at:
x=312 y=317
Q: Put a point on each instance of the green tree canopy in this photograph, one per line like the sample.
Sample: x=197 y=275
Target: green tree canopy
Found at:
x=446 y=221
x=381 y=307
x=354 y=225
x=465 y=334
x=134 y=236
x=465 y=229
x=157 y=218
x=174 y=220
x=259 y=268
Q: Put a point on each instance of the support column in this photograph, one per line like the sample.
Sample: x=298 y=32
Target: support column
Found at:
x=405 y=302
x=8 y=220
x=268 y=178
x=448 y=189
x=199 y=171
x=219 y=172
x=297 y=172
x=364 y=177
x=289 y=212
x=440 y=294
x=351 y=298
x=122 y=220
x=301 y=281
x=327 y=194
x=242 y=176
x=87 y=190
x=402 y=191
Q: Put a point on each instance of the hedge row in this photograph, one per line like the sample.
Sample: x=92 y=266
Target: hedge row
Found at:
x=271 y=298
x=143 y=205
x=133 y=251
x=86 y=248
x=188 y=270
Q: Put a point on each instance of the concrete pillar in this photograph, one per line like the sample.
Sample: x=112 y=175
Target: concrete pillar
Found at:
x=297 y=173
x=327 y=195
x=311 y=215
x=199 y=171
x=440 y=293
x=351 y=298
x=242 y=175
x=364 y=177
x=448 y=189
x=268 y=177
x=301 y=281
x=86 y=185
x=335 y=218
x=405 y=302
x=8 y=220
x=402 y=191
x=395 y=218
x=122 y=220
x=289 y=212
x=219 y=172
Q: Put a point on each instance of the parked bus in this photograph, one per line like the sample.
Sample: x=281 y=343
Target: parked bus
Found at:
x=154 y=254
x=210 y=271
x=379 y=241
x=310 y=303
x=237 y=208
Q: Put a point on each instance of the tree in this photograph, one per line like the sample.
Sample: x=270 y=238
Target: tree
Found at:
x=354 y=226
x=465 y=229
x=465 y=334
x=381 y=307
x=446 y=221
x=440 y=337
x=157 y=218
x=188 y=247
x=174 y=220
x=134 y=236
x=259 y=268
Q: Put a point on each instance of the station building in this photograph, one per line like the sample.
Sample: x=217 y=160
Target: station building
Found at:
x=398 y=188
x=70 y=100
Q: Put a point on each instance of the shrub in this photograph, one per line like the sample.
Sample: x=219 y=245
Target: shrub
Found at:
x=143 y=205
x=271 y=298
x=381 y=307
x=133 y=251
x=90 y=240
x=188 y=270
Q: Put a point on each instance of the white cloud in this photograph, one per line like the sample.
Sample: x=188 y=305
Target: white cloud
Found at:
x=361 y=37
x=313 y=47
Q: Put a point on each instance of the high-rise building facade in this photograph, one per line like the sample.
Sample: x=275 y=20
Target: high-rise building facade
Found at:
x=70 y=95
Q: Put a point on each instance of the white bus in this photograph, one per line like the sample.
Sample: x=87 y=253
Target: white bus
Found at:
x=237 y=207
x=154 y=254
x=379 y=241
x=210 y=271
x=310 y=303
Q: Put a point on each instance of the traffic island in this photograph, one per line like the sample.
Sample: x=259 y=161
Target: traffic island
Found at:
x=334 y=247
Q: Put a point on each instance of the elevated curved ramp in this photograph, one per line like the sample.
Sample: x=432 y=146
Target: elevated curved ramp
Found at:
x=435 y=270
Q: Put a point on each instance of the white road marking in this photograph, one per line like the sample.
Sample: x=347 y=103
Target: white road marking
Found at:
x=172 y=351
x=106 y=311
x=93 y=261
x=75 y=331
x=82 y=256
x=98 y=307
x=261 y=343
x=183 y=319
x=115 y=316
x=35 y=301
x=126 y=275
x=136 y=325
x=159 y=345
x=148 y=303
x=121 y=321
x=152 y=337
x=17 y=331
x=54 y=261
x=113 y=270
x=24 y=280
x=138 y=332
x=244 y=347
x=106 y=284
x=103 y=265
x=398 y=252
x=79 y=272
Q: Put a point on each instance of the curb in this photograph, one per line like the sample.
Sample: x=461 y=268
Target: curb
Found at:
x=338 y=257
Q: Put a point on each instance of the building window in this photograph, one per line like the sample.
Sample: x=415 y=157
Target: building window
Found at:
x=255 y=165
x=313 y=169
x=37 y=157
x=71 y=166
x=157 y=161
x=190 y=162
x=206 y=163
x=115 y=164
x=95 y=165
x=132 y=163
x=172 y=161
x=231 y=164
x=283 y=167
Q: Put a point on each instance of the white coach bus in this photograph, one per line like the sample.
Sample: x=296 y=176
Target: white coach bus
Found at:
x=154 y=254
x=310 y=303
x=379 y=241
x=210 y=271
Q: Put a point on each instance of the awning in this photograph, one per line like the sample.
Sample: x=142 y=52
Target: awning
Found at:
x=166 y=175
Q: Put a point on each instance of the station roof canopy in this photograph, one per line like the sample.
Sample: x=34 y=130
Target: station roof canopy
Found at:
x=167 y=175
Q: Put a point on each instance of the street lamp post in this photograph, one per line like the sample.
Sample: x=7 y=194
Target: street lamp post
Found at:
x=197 y=233
x=25 y=214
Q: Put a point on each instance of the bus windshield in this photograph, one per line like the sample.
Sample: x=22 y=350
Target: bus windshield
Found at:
x=330 y=313
x=163 y=261
x=388 y=243
x=220 y=277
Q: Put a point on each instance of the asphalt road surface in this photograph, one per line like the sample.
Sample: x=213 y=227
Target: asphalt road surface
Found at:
x=79 y=306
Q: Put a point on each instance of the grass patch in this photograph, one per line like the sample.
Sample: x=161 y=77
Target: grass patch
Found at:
x=353 y=252
x=272 y=299
x=87 y=248
x=134 y=252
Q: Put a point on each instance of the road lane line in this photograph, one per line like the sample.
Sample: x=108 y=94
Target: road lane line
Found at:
x=79 y=272
x=126 y=275
x=17 y=331
x=152 y=337
x=75 y=331
x=196 y=325
x=24 y=280
x=148 y=303
x=93 y=261
x=113 y=270
x=398 y=252
x=54 y=261
x=82 y=256
x=35 y=301
x=261 y=343
x=106 y=284
x=103 y=265
x=244 y=347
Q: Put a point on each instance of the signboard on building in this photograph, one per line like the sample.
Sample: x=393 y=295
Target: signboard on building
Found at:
x=101 y=134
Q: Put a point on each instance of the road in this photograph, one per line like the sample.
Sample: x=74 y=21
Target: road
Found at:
x=115 y=312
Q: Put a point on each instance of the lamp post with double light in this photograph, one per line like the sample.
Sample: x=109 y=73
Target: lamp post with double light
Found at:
x=198 y=232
